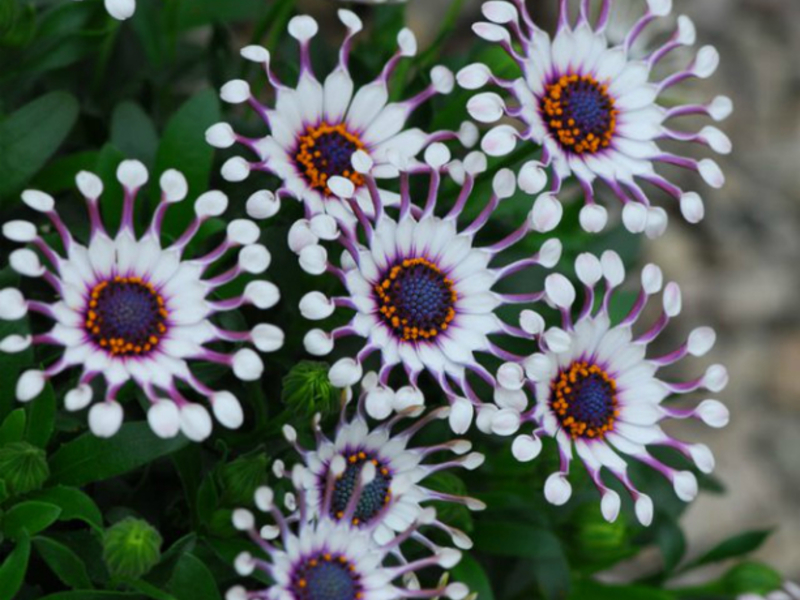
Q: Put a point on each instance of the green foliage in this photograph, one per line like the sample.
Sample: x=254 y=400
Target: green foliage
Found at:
x=307 y=389
x=23 y=468
x=131 y=548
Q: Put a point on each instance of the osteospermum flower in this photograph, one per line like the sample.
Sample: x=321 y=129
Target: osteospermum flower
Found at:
x=394 y=499
x=130 y=308
x=595 y=108
x=311 y=556
x=315 y=128
x=120 y=9
x=421 y=288
x=598 y=394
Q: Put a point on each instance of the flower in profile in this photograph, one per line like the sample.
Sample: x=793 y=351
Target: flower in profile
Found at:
x=599 y=395
x=595 y=109
x=394 y=499
x=421 y=288
x=310 y=556
x=316 y=127
x=129 y=308
x=120 y=9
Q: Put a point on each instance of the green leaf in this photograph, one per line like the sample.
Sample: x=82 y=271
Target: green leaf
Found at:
x=92 y=595
x=592 y=590
x=13 y=428
x=733 y=547
x=67 y=565
x=671 y=541
x=30 y=136
x=539 y=545
x=43 y=418
x=470 y=572
x=74 y=505
x=133 y=132
x=88 y=458
x=192 y=580
x=29 y=518
x=12 y=571
x=183 y=147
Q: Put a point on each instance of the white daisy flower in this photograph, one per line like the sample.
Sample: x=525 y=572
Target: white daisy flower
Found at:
x=595 y=108
x=422 y=290
x=394 y=499
x=309 y=556
x=129 y=308
x=120 y=9
x=599 y=395
x=316 y=127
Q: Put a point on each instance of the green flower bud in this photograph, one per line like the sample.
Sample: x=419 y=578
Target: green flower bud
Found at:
x=307 y=389
x=596 y=541
x=23 y=468
x=131 y=548
x=240 y=479
x=752 y=578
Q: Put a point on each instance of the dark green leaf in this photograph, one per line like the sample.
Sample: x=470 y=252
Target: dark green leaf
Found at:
x=89 y=458
x=133 y=132
x=30 y=136
x=74 y=505
x=671 y=541
x=92 y=595
x=67 y=565
x=192 y=580
x=13 y=428
x=29 y=518
x=183 y=147
x=43 y=418
x=470 y=572
x=536 y=544
x=12 y=571
x=733 y=547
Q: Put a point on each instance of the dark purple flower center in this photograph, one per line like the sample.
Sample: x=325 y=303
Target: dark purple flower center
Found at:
x=416 y=299
x=580 y=113
x=126 y=316
x=584 y=399
x=326 y=577
x=374 y=496
x=327 y=151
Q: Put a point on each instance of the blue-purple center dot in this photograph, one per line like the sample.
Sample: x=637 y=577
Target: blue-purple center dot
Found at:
x=374 y=496
x=416 y=299
x=326 y=577
x=126 y=316
x=584 y=399
x=326 y=151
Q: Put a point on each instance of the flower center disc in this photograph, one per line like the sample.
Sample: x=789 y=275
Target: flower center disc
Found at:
x=416 y=299
x=126 y=316
x=585 y=401
x=326 y=577
x=579 y=111
x=326 y=151
x=374 y=496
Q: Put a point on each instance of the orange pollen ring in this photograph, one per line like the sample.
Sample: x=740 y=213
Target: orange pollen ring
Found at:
x=326 y=151
x=98 y=326
x=420 y=315
x=579 y=111
x=584 y=399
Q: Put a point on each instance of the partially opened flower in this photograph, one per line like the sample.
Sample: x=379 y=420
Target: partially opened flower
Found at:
x=310 y=556
x=598 y=394
x=395 y=498
x=316 y=127
x=129 y=308
x=421 y=288
x=595 y=108
x=120 y=9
